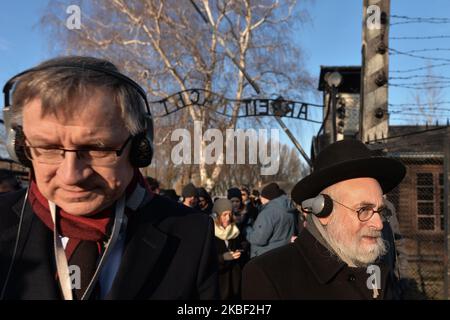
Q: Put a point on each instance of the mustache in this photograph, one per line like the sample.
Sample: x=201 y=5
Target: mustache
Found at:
x=371 y=233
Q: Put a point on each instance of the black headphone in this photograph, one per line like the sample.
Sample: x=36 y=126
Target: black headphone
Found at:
x=141 y=152
x=320 y=206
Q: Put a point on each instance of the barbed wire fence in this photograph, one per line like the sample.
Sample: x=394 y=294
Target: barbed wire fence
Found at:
x=421 y=200
x=430 y=76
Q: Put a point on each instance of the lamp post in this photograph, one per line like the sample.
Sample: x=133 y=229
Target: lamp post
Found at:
x=333 y=80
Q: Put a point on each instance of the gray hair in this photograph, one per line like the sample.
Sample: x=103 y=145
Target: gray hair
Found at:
x=62 y=87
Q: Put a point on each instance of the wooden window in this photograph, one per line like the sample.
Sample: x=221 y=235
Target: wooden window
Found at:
x=430 y=201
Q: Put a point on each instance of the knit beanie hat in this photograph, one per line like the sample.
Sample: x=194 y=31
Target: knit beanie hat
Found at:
x=189 y=190
x=221 y=205
x=234 y=193
x=201 y=192
x=271 y=191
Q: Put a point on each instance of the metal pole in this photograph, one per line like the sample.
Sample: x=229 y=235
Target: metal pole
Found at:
x=294 y=141
x=446 y=216
x=333 y=103
x=255 y=87
x=375 y=71
x=227 y=51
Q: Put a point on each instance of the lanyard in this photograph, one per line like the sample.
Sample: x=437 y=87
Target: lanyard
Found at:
x=61 y=259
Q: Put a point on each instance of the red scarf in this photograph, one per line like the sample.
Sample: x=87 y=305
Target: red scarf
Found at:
x=94 y=227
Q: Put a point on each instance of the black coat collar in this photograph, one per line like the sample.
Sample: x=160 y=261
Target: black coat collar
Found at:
x=322 y=263
x=145 y=244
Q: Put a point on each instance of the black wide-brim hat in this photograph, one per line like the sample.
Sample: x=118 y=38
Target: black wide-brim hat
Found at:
x=344 y=160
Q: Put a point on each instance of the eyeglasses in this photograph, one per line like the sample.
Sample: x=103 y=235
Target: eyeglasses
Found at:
x=94 y=156
x=365 y=213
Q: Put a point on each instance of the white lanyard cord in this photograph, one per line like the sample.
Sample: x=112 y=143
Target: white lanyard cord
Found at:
x=61 y=259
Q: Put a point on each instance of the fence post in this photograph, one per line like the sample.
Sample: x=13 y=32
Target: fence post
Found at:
x=446 y=215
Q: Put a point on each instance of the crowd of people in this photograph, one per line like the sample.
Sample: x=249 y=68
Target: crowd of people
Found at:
x=246 y=225
x=90 y=226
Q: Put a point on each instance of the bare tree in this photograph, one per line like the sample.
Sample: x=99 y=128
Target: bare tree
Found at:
x=169 y=47
x=290 y=172
x=427 y=100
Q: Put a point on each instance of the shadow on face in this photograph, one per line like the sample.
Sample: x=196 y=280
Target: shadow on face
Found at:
x=80 y=188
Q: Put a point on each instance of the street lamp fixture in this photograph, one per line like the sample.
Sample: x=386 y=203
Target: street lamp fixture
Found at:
x=333 y=79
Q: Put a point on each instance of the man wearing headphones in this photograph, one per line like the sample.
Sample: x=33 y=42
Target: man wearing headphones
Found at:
x=89 y=227
x=345 y=251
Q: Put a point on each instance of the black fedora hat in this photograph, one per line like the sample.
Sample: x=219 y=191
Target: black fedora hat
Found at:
x=344 y=160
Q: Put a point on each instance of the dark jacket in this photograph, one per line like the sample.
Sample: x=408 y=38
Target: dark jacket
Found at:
x=274 y=227
x=169 y=254
x=307 y=270
x=230 y=272
x=252 y=211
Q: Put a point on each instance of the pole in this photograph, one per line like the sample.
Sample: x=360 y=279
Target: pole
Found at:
x=375 y=70
x=294 y=141
x=446 y=217
x=333 y=103
x=255 y=87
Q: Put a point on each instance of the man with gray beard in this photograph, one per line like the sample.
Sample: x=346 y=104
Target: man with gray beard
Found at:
x=345 y=251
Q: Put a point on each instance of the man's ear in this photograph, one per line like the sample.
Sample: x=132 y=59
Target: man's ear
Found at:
x=324 y=221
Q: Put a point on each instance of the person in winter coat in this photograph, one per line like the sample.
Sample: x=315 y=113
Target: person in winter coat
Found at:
x=205 y=203
x=190 y=195
x=239 y=210
x=252 y=211
x=343 y=253
x=276 y=223
x=88 y=227
x=230 y=250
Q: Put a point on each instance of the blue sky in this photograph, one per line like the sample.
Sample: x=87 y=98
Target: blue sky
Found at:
x=332 y=37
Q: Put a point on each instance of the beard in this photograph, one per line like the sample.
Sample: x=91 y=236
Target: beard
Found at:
x=352 y=246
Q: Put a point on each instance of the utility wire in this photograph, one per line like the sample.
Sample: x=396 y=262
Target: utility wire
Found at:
x=427 y=50
x=415 y=108
x=416 y=76
x=415 y=104
x=253 y=84
x=395 y=51
x=418 y=87
x=409 y=20
x=421 y=83
x=433 y=111
x=410 y=134
x=423 y=108
x=421 y=68
x=199 y=11
x=417 y=18
x=228 y=52
x=421 y=38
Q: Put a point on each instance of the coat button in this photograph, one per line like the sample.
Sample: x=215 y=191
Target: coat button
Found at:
x=351 y=278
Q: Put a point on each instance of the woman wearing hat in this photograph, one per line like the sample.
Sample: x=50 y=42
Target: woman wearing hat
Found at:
x=230 y=250
x=204 y=201
x=239 y=209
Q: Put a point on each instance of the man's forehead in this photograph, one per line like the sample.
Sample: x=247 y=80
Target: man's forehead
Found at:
x=97 y=120
x=364 y=189
x=357 y=182
x=97 y=137
x=98 y=105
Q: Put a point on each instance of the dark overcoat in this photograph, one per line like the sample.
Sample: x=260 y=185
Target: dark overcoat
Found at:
x=169 y=253
x=307 y=270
